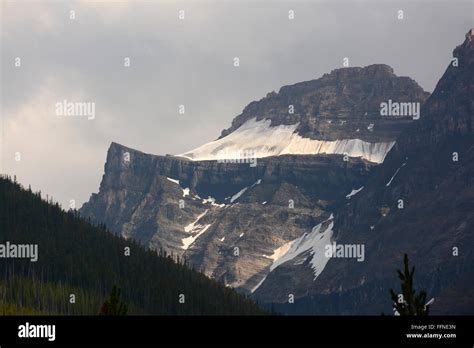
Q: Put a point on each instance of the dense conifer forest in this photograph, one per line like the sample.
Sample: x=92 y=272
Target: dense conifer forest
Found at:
x=79 y=263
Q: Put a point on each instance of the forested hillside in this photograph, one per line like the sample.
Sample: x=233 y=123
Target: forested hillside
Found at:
x=77 y=258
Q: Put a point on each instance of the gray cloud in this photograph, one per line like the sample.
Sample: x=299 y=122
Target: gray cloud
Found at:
x=186 y=62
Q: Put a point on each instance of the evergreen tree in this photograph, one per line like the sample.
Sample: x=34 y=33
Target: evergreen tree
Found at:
x=113 y=306
x=409 y=302
x=77 y=256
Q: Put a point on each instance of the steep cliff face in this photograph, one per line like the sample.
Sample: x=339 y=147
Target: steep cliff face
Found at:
x=224 y=217
x=235 y=219
x=420 y=201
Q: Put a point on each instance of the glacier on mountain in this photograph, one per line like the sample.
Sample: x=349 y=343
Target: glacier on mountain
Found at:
x=260 y=140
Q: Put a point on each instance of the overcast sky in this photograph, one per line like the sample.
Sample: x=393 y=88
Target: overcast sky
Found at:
x=184 y=61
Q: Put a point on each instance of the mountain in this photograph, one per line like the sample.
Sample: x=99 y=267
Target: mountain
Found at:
x=420 y=201
x=73 y=257
x=235 y=207
x=337 y=113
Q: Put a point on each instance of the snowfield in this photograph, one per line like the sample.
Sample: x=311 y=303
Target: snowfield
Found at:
x=314 y=242
x=258 y=139
x=196 y=230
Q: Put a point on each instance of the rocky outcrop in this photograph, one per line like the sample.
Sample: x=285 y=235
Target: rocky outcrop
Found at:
x=420 y=201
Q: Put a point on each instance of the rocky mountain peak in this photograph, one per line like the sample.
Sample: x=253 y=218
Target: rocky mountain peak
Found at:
x=465 y=50
x=470 y=34
x=374 y=70
x=340 y=105
x=450 y=109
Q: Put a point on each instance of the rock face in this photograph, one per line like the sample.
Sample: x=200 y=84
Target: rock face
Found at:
x=239 y=222
x=204 y=218
x=337 y=104
x=420 y=201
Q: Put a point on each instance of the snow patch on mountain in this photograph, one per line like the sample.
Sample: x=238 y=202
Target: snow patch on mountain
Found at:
x=241 y=192
x=191 y=239
x=196 y=229
x=258 y=139
x=173 y=180
x=258 y=285
x=212 y=200
x=238 y=194
x=396 y=172
x=185 y=190
x=319 y=259
x=192 y=225
x=313 y=242
x=354 y=192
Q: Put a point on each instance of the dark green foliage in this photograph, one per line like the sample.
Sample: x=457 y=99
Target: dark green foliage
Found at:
x=75 y=257
x=410 y=303
x=113 y=306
